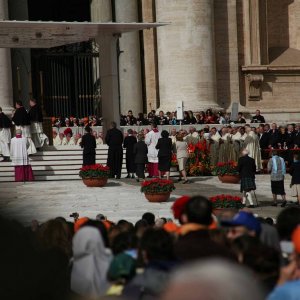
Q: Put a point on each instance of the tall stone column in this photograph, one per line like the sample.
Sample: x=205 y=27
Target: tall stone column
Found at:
x=101 y=11
x=6 y=92
x=109 y=79
x=186 y=54
x=129 y=59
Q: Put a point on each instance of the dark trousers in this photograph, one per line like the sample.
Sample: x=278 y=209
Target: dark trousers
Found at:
x=130 y=165
x=140 y=170
x=114 y=161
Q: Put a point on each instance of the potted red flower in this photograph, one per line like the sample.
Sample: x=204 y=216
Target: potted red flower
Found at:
x=226 y=201
x=94 y=175
x=227 y=172
x=157 y=190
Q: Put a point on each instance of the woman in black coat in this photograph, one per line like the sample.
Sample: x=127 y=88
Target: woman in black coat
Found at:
x=88 y=143
x=164 y=146
x=140 y=151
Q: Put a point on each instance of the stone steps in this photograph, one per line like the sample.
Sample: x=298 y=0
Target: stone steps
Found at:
x=58 y=163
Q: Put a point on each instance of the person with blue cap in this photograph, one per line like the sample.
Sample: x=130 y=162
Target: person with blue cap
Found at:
x=243 y=223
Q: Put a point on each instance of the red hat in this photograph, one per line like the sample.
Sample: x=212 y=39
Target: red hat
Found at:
x=179 y=205
x=68 y=131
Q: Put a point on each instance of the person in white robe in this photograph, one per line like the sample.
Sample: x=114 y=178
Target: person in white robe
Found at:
x=193 y=136
x=151 y=140
x=214 y=139
x=5 y=135
x=252 y=146
x=173 y=135
x=56 y=139
x=36 y=125
x=68 y=139
x=236 y=140
x=20 y=159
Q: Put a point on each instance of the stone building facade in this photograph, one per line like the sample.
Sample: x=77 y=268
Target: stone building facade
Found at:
x=213 y=53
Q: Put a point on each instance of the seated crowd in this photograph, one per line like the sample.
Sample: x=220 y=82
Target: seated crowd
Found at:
x=160 y=118
x=234 y=255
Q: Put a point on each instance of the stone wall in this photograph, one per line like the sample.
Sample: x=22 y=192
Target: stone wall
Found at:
x=226 y=45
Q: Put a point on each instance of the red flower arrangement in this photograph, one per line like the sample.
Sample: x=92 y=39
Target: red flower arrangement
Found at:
x=174 y=161
x=226 y=201
x=157 y=186
x=94 y=171
x=198 y=163
x=225 y=168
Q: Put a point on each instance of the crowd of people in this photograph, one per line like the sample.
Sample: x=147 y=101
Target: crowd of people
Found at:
x=169 y=118
x=198 y=255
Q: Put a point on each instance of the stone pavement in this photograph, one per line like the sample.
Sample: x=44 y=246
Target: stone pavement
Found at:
x=120 y=199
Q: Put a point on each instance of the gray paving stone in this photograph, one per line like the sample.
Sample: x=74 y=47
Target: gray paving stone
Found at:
x=120 y=199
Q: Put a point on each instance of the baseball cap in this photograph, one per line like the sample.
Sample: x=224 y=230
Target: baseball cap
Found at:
x=245 y=219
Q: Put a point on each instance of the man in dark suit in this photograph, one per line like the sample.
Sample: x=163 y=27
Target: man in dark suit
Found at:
x=297 y=136
x=88 y=143
x=114 y=140
x=140 y=151
x=274 y=137
x=247 y=169
x=129 y=143
x=263 y=141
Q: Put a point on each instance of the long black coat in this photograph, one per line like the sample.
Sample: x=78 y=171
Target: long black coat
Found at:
x=35 y=114
x=129 y=143
x=88 y=143
x=21 y=117
x=114 y=140
x=140 y=151
x=295 y=172
x=246 y=167
x=297 y=138
x=164 y=146
x=5 y=122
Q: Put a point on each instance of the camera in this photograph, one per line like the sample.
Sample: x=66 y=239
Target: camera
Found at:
x=74 y=215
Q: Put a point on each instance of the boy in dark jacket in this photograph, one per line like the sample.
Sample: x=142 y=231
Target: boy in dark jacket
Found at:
x=140 y=151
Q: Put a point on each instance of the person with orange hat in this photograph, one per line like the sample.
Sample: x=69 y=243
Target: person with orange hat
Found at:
x=194 y=242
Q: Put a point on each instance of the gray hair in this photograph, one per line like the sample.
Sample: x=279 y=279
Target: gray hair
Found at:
x=213 y=279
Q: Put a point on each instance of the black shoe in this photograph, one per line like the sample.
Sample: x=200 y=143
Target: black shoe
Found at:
x=128 y=176
x=251 y=206
x=137 y=180
x=186 y=181
x=283 y=204
x=132 y=176
x=274 y=204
